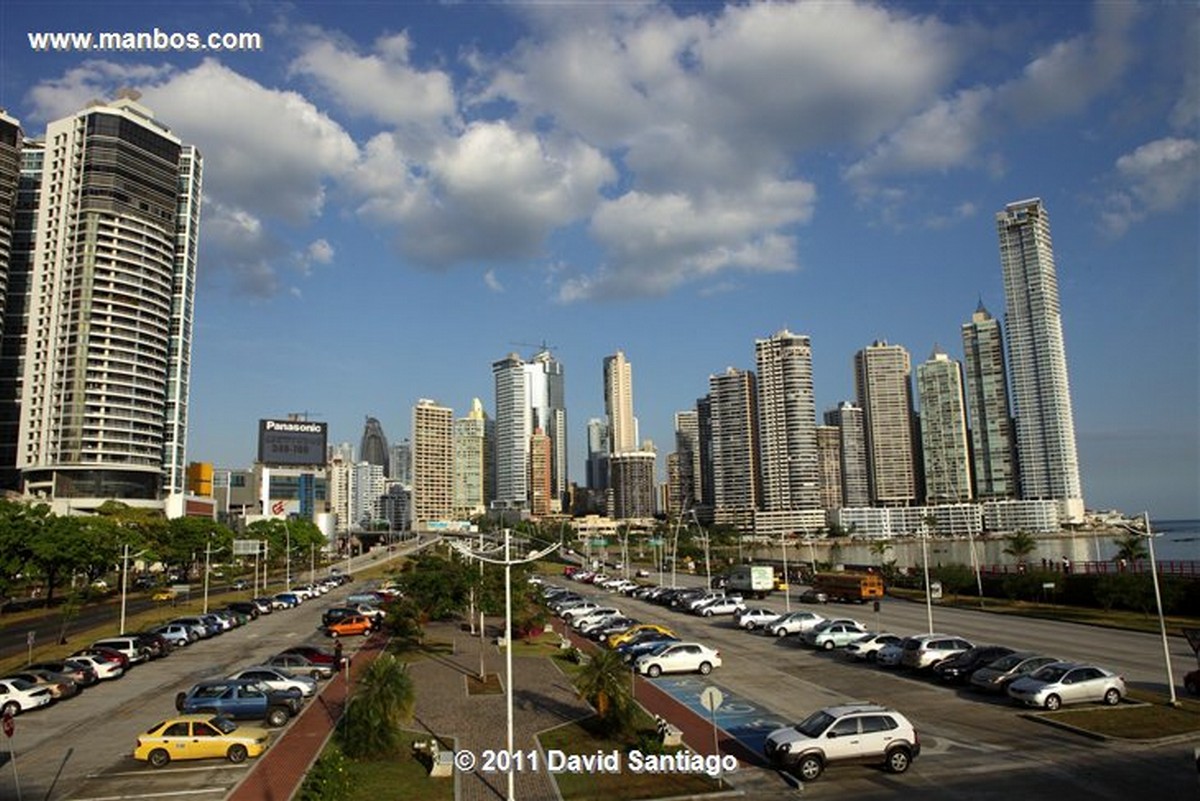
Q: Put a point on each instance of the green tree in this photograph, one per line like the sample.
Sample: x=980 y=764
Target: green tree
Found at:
x=1130 y=548
x=955 y=578
x=605 y=683
x=58 y=550
x=383 y=702
x=879 y=549
x=18 y=523
x=1020 y=545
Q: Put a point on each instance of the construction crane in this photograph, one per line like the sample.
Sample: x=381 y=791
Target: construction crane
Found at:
x=301 y=416
x=544 y=347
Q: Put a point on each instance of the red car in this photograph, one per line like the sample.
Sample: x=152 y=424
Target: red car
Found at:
x=107 y=654
x=313 y=653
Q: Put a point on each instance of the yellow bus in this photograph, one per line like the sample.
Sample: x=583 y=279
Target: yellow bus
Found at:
x=846 y=587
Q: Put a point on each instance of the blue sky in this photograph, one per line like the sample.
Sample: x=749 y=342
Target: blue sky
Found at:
x=396 y=195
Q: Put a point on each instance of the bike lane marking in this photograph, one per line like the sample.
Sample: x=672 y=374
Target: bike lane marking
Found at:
x=739 y=717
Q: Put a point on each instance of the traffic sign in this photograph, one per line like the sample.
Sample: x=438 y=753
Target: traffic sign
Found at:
x=712 y=698
x=7 y=722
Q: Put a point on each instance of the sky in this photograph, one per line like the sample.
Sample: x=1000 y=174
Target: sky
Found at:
x=396 y=195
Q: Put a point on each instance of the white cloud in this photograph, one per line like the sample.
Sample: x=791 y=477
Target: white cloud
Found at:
x=1158 y=176
x=91 y=80
x=236 y=243
x=492 y=281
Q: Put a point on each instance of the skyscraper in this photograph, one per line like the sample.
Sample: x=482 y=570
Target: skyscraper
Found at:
x=787 y=436
x=990 y=417
x=470 y=462
x=433 y=462
x=597 y=455
x=735 y=454
x=539 y=473
x=374 y=446
x=529 y=395
x=687 y=447
x=618 y=404
x=944 y=447
x=1049 y=465
x=11 y=141
x=856 y=484
x=633 y=484
x=111 y=286
x=881 y=380
x=829 y=451
x=548 y=398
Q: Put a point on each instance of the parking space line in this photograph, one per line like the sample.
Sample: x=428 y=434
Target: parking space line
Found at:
x=170 y=794
x=167 y=771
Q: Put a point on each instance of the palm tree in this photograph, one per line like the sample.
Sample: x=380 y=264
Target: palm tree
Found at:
x=1020 y=545
x=1130 y=548
x=383 y=702
x=604 y=682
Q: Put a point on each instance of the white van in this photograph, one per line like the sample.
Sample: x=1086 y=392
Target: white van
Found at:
x=127 y=646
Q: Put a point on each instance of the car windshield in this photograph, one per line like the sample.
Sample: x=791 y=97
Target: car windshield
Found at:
x=1051 y=673
x=1007 y=662
x=814 y=724
x=225 y=725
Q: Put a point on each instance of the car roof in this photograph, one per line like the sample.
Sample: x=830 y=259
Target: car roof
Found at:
x=857 y=707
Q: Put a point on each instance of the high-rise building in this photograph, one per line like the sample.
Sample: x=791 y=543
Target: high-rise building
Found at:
x=548 y=399
x=528 y=396
x=945 y=449
x=15 y=241
x=736 y=480
x=881 y=380
x=109 y=315
x=618 y=404
x=400 y=462
x=687 y=447
x=374 y=446
x=787 y=437
x=829 y=453
x=990 y=417
x=852 y=437
x=433 y=463
x=597 y=455
x=470 y=463
x=1041 y=393
x=633 y=487
x=367 y=486
x=539 y=473
x=704 y=506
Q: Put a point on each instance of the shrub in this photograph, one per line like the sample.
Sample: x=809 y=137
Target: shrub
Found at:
x=328 y=780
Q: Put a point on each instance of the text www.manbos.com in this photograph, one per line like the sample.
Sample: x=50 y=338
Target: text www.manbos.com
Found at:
x=155 y=40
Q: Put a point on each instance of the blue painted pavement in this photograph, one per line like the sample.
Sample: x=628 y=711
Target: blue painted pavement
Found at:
x=738 y=716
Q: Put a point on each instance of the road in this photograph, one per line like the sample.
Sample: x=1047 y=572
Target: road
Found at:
x=972 y=747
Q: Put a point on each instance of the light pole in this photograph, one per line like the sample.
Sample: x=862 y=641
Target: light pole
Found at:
x=207 y=559
x=1162 y=623
x=928 y=589
x=508 y=562
x=787 y=593
x=287 y=557
x=707 y=559
x=125 y=582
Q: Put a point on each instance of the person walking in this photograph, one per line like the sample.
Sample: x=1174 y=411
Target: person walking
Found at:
x=337 y=654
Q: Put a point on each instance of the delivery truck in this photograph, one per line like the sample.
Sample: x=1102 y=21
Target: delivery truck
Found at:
x=751 y=580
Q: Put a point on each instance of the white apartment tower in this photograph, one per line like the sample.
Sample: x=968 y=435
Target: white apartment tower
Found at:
x=856 y=484
x=618 y=404
x=990 y=416
x=881 y=380
x=1041 y=393
x=944 y=446
x=470 y=462
x=787 y=425
x=733 y=407
x=107 y=361
x=433 y=463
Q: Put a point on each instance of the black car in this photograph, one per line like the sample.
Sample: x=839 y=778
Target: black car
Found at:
x=247 y=608
x=158 y=645
x=958 y=669
x=337 y=613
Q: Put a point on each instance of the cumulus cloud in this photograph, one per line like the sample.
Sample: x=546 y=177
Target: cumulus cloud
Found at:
x=236 y=243
x=1158 y=176
x=92 y=80
x=492 y=281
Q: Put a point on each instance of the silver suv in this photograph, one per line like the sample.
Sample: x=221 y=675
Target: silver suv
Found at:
x=856 y=732
x=927 y=650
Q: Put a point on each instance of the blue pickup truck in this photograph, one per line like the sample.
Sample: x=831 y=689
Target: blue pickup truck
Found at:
x=240 y=699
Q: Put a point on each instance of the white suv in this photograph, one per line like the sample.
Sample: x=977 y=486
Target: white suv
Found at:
x=848 y=733
x=927 y=650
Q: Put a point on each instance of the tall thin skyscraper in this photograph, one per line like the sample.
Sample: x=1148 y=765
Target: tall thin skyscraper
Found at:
x=737 y=485
x=433 y=462
x=990 y=417
x=829 y=449
x=1049 y=464
x=14 y=273
x=548 y=398
x=787 y=426
x=881 y=379
x=470 y=462
x=618 y=404
x=529 y=395
x=687 y=446
x=374 y=446
x=597 y=455
x=112 y=284
x=944 y=446
x=852 y=437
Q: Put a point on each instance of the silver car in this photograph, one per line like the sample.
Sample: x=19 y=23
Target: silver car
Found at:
x=996 y=675
x=1068 y=683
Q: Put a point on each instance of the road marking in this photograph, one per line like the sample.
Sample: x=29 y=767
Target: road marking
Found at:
x=171 y=794
x=167 y=772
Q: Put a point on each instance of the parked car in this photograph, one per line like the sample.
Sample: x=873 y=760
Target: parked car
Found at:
x=107 y=654
x=202 y=630
x=927 y=650
x=997 y=675
x=834 y=634
x=285 y=600
x=890 y=656
x=278 y=678
x=61 y=687
x=811 y=596
x=83 y=675
x=301 y=666
x=133 y=650
x=248 y=608
x=18 y=695
x=729 y=605
x=599 y=613
x=958 y=668
x=240 y=699
x=868 y=646
x=678 y=657
x=796 y=622
x=619 y=639
x=755 y=617
x=314 y=653
x=350 y=626
x=178 y=634
x=105 y=669
x=848 y=733
x=199 y=737
x=643 y=644
x=1067 y=683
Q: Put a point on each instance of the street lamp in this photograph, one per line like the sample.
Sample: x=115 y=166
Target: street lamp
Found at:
x=207 y=560
x=928 y=589
x=125 y=582
x=508 y=562
x=787 y=587
x=1162 y=623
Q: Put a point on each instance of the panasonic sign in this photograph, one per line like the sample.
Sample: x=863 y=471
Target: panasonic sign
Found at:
x=292 y=442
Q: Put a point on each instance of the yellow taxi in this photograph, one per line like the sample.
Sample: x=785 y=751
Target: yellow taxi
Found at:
x=201 y=736
x=622 y=637
x=163 y=595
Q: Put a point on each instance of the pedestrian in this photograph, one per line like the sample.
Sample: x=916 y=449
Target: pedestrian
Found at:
x=1066 y=565
x=337 y=654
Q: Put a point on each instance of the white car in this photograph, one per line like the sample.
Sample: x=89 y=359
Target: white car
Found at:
x=755 y=618
x=847 y=733
x=579 y=610
x=18 y=695
x=795 y=623
x=927 y=650
x=278 y=679
x=678 y=657
x=706 y=598
x=104 y=669
x=721 y=606
x=890 y=655
x=868 y=646
x=578 y=621
x=834 y=634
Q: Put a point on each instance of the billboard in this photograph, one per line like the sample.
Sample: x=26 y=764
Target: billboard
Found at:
x=291 y=442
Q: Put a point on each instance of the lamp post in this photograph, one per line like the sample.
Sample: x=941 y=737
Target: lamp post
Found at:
x=787 y=593
x=125 y=582
x=928 y=589
x=1162 y=623
x=707 y=559
x=508 y=562
x=287 y=557
x=207 y=559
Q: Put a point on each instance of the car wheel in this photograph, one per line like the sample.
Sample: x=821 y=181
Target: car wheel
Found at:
x=10 y=708
x=708 y=613
x=898 y=760
x=277 y=717
x=809 y=767
x=159 y=758
x=1053 y=702
x=750 y=627
x=236 y=753
x=1192 y=687
x=179 y=699
x=705 y=668
x=872 y=656
x=780 y=632
x=654 y=671
x=1112 y=697
x=333 y=634
x=827 y=645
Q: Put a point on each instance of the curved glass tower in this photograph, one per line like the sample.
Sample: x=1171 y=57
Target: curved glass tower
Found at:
x=374 y=447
